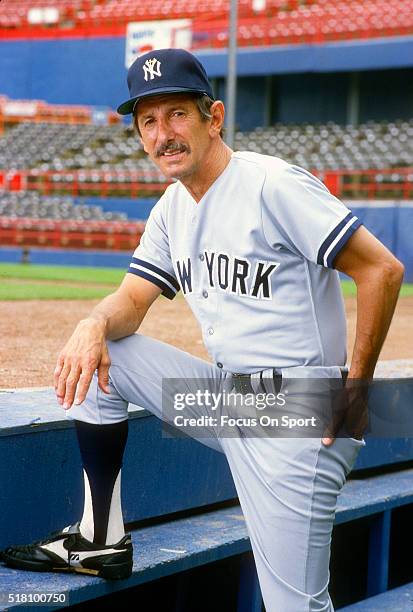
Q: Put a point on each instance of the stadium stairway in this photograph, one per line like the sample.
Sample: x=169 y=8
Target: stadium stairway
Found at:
x=180 y=501
x=395 y=600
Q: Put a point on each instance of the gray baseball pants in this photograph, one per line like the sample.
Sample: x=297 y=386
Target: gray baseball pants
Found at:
x=287 y=487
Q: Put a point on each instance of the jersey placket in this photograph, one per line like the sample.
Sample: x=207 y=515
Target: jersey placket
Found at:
x=206 y=296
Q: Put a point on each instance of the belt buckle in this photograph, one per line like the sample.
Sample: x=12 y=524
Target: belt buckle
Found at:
x=242 y=383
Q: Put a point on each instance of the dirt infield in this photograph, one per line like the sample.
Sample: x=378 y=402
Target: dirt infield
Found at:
x=32 y=334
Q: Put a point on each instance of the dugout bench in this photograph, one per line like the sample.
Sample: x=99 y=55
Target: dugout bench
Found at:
x=182 y=497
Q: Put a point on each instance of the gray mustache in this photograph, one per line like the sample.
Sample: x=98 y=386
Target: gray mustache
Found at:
x=172 y=147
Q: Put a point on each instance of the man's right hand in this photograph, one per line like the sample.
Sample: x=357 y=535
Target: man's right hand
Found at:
x=85 y=352
x=118 y=315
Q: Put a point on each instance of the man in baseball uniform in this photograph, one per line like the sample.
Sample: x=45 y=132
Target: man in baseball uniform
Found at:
x=254 y=245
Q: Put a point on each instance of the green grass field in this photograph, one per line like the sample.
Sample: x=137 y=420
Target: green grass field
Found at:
x=110 y=276
x=34 y=282
x=349 y=289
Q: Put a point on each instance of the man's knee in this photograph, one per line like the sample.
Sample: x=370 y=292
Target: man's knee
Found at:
x=100 y=408
x=127 y=351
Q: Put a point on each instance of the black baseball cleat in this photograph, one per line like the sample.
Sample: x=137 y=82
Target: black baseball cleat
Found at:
x=69 y=551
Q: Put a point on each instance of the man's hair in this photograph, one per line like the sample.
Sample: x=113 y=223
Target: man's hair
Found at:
x=203 y=103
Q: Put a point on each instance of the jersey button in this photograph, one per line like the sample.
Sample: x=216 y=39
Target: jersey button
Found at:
x=201 y=256
x=205 y=293
x=210 y=331
x=220 y=365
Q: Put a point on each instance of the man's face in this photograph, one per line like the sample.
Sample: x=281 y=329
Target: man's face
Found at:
x=174 y=134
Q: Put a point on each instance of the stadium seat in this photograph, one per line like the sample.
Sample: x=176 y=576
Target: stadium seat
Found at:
x=280 y=21
x=377 y=145
x=31 y=205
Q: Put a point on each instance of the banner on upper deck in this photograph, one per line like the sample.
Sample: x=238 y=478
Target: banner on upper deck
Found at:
x=142 y=37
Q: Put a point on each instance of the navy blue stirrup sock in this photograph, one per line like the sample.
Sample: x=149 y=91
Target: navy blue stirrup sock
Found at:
x=101 y=448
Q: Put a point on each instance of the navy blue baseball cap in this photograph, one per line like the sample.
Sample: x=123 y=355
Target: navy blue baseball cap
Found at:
x=164 y=71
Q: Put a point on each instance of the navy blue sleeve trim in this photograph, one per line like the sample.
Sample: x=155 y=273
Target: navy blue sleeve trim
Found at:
x=332 y=244
x=168 y=277
x=337 y=248
x=166 y=291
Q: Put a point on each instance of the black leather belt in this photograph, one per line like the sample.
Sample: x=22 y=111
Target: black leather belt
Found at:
x=242 y=382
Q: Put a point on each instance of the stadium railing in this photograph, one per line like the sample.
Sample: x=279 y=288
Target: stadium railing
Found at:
x=84 y=182
x=70 y=234
x=369 y=184
x=13 y=112
x=366 y=184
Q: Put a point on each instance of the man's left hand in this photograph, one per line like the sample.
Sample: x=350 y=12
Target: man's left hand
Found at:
x=349 y=412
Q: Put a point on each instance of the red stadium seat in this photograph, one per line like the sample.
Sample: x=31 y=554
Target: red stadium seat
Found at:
x=280 y=21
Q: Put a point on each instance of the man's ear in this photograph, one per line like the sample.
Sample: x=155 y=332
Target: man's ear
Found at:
x=143 y=145
x=140 y=138
x=136 y=128
x=217 y=111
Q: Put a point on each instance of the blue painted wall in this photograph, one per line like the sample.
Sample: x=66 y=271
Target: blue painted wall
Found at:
x=91 y=71
x=382 y=222
x=386 y=94
x=393 y=225
x=63 y=257
x=85 y=71
x=405 y=240
x=374 y=54
x=251 y=101
x=312 y=98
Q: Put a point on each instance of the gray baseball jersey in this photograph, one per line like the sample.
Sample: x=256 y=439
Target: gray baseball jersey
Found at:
x=254 y=259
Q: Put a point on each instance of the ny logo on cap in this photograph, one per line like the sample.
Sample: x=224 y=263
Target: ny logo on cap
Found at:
x=151 y=68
